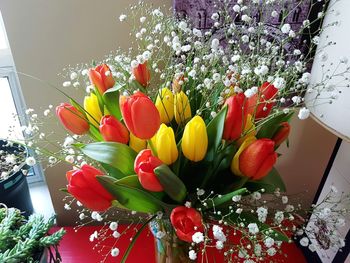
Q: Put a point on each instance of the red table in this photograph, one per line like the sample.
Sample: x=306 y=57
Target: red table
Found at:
x=76 y=248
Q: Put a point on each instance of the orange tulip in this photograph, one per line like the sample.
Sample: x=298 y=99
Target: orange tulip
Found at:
x=140 y=115
x=142 y=74
x=282 y=133
x=101 y=77
x=257 y=160
x=72 y=119
x=113 y=130
x=260 y=104
x=236 y=117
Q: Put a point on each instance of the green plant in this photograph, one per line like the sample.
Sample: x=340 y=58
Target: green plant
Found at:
x=23 y=240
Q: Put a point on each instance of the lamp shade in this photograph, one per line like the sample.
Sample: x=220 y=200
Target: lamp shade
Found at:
x=330 y=103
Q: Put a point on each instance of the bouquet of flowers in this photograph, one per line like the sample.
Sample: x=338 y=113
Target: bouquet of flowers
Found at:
x=185 y=128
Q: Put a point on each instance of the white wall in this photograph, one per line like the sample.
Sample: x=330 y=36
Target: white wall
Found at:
x=46 y=36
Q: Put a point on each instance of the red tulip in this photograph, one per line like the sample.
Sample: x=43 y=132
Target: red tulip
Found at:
x=257 y=160
x=142 y=74
x=113 y=130
x=101 y=77
x=282 y=133
x=186 y=222
x=83 y=185
x=144 y=166
x=140 y=115
x=263 y=106
x=72 y=119
x=236 y=117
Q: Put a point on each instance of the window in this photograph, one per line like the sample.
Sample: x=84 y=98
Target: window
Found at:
x=11 y=100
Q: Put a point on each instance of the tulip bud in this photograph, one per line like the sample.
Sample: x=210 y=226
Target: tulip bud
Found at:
x=282 y=134
x=186 y=222
x=261 y=103
x=142 y=74
x=140 y=115
x=137 y=144
x=113 y=130
x=195 y=139
x=257 y=159
x=83 y=185
x=93 y=108
x=72 y=119
x=144 y=166
x=101 y=77
x=165 y=145
x=165 y=105
x=182 y=108
x=235 y=118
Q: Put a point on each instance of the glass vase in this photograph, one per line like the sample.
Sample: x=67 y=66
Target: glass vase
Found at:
x=168 y=248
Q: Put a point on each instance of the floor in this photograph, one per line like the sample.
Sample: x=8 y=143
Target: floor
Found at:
x=41 y=199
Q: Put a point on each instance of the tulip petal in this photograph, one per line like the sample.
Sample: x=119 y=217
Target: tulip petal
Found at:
x=266 y=167
x=235 y=161
x=89 y=199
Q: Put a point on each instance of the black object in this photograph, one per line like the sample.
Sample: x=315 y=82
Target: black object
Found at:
x=14 y=191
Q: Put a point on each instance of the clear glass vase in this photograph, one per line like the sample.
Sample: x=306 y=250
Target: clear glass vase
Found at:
x=168 y=248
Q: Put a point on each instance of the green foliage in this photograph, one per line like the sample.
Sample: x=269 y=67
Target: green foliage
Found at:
x=171 y=183
x=111 y=100
x=117 y=155
x=130 y=196
x=21 y=239
x=273 y=124
x=223 y=199
x=270 y=182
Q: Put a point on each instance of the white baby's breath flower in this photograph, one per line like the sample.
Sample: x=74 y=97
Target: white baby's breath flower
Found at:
x=304 y=241
x=246 y=18
x=219 y=245
x=279 y=83
x=122 y=17
x=253 y=228
x=296 y=99
x=236 y=8
x=192 y=254
x=30 y=161
x=304 y=113
x=215 y=16
x=93 y=236
x=67 y=207
x=142 y=19
x=82 y=216
x=236 y=198
x=274 y=13
x=256 y=195
x=66 y=84
x=116 y=234
x=114 y=252
x=279 y=217
x=197 y=32
x=269 y=242
x=113 y=226
x=198 y=237
x=262 y=214
x=285 y=28
x=239 y=210
x=271 y=251
x=284 y=199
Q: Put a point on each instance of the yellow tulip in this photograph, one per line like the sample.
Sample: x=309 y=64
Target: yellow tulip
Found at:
x=92 y=107
x=235 y=160
x=136 y=143
x=182 y=108
x=249 y=130
x=165 y=105
x=195 y=139
x=165 y=145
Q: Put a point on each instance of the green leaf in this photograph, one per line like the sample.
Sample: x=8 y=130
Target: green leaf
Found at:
x=115 y=154
x=111 y=100
x=132 y=243
x=215 y=130
x=270 y=182
x=64 y=190
x=131 y=197
x=272 y=125
x=112 y=171
x=95 y=133
x=99 y=99
x=224 y=198
x=172 y=184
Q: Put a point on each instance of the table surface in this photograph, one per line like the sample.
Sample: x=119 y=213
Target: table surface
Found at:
x=76 y=248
